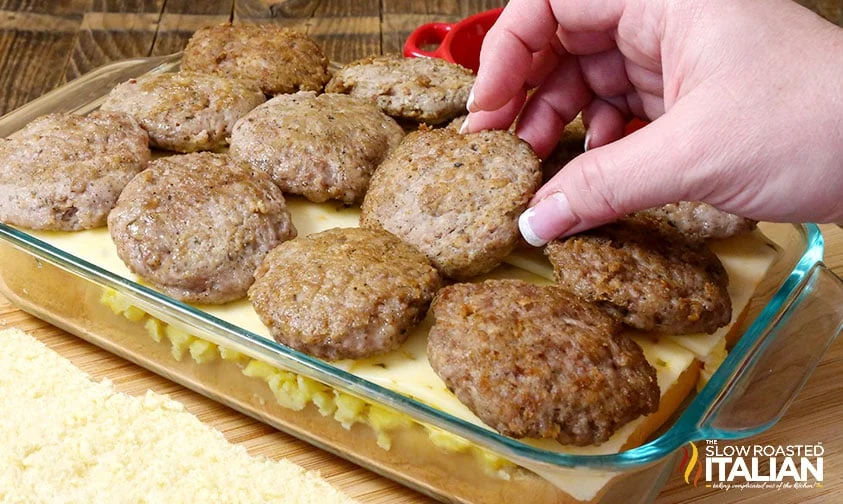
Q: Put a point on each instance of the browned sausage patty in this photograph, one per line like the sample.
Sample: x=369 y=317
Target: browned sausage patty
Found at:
x=700 y=221
x=65 y=172
x=196 y=226
x=647 y=274
x=278 y=60
x=455 y=197
x=570 y=145
x=429 y=90
x=457 y=122
x=322 y=147
x=534 y=361
x=185 y=112
x=343 y=293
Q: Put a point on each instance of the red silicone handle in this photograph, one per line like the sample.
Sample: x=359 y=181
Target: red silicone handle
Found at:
x=634 y=125
x=429 y=34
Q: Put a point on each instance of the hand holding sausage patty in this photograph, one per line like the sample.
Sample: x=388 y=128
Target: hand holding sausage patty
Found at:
x=744 y=101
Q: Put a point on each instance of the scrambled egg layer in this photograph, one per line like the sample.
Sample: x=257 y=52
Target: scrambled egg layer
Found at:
x=295 y=392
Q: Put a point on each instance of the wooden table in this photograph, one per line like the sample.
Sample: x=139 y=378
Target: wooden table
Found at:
x=45 y=43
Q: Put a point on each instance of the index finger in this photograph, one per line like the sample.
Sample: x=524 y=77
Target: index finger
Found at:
x=523 y=28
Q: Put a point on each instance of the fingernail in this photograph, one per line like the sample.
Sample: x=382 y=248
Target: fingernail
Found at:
x=469 y=105
x=587 y=142
x=527 y=231
x=464 y=126
x=549 y=218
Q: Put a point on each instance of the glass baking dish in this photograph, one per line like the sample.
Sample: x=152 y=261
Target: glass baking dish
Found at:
x=793 y=315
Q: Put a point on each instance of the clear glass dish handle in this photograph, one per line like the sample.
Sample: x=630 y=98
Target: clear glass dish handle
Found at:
x=759 y=392
x=81 y=95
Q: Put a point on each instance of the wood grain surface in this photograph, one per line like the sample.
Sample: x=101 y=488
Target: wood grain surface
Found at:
x=44 y=43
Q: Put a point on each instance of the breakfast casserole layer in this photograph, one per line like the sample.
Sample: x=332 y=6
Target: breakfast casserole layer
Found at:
x=681 y=362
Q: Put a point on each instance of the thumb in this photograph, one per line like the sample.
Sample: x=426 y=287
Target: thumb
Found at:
x=661 y=163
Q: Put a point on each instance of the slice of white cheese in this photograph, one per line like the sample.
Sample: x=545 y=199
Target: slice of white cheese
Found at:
x=312 y=218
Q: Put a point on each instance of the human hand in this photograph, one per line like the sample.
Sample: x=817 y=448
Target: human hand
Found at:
x=745 y=98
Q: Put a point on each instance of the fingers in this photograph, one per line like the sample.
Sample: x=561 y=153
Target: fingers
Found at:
x=632 y=89
x=544 y=62
x=496 y=119
x=562 y=95
x=605 y=123
x=524 y=27
x=644 y=79
x=588 y=42
x=655 y=165
x=528 y=26
x=605 y=73
x=591 y=15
